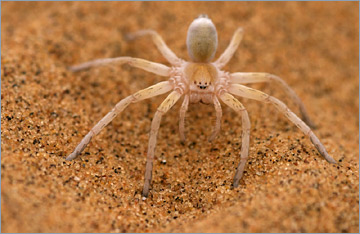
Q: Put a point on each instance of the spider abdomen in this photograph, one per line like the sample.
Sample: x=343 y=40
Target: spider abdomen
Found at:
x=202 y=40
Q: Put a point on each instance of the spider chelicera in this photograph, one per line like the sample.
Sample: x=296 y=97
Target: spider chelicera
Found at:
x=199 y=80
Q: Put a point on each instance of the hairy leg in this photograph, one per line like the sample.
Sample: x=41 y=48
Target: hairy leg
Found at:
x=232 y=102
x=257 y=77
x=159 y=42
x=155 y=124
x=156 y=68
x=155 y=90
x=247 y=92
x=230 y=50
x=218 y=110
x=183 y=110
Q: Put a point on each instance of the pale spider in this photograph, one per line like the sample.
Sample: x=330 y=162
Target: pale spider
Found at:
x=199 y=80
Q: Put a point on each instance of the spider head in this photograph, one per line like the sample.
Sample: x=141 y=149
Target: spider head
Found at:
x=202 y=39
x=201 y=76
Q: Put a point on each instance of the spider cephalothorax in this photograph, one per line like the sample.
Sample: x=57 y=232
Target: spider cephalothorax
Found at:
x=199 y=81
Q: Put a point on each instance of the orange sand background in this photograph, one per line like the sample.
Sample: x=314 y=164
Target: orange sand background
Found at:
x=287 y=186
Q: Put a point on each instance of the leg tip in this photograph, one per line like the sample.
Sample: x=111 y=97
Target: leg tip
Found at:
x=311 y=124
x=308 y=121
x=145 y=192
x=182 y=139
x=76 y=68
x=240 y=29
x=130 y=36
x=235 y=184
x=331 y=160
x=211 y=138
x=213 y=135
x=70 y=157
x=71 y=68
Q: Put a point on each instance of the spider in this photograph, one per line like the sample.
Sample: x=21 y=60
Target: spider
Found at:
x=199 y=81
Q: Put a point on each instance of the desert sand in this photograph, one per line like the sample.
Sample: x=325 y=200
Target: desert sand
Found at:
x=287 y=186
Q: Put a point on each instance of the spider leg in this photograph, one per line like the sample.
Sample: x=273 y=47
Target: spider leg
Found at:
x=155 y=124
x=155 y=90
x=218 y=110
x=236 y=105
x=230 y=50
x=183 y=110
x=146 y=65
x=250 y=93
x=257 y=77
x=159 y=42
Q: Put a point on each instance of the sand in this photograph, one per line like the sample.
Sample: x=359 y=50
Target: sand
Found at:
x=287 y=185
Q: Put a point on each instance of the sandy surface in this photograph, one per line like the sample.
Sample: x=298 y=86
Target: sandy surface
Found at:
x=287 y=186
